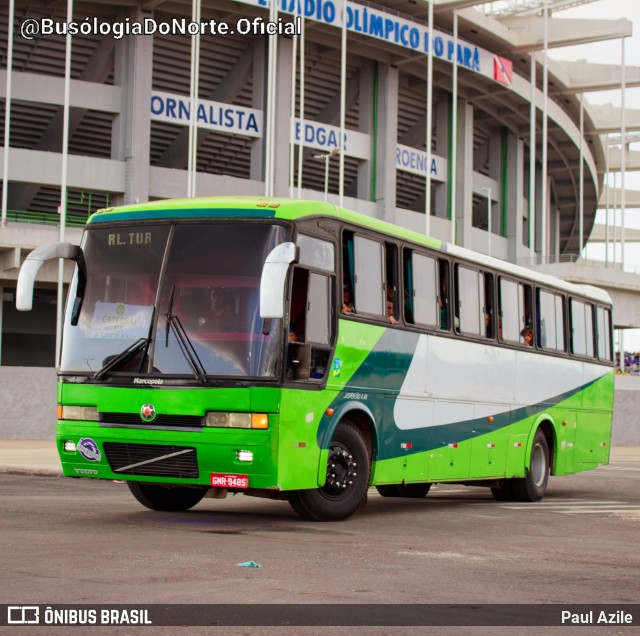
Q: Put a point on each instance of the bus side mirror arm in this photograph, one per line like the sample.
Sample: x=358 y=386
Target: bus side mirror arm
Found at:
x=32 y=265
x=274 y=275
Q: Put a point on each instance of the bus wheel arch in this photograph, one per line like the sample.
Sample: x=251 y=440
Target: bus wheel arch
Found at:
x=533 y=486
x=346 y=480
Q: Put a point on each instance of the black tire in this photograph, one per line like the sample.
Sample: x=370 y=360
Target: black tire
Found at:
x=166 y=498
x=348 y=471
x=534 y=485
x=388 y=490
x=409 y=491
x=504 y=491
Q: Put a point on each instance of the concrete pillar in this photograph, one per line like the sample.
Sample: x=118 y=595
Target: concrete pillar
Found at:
x=283 y=121
x=1 y=332
x=367 y=99
x=441 y=118
x=387 y=140
x=515 y=198
x=464 y=172
x=131 y=138
x=259 y=72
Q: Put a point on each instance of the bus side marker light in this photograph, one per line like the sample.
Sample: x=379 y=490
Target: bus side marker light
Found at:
x=603 y=444
x=261 y=204
x=453 y=445
x=517 y=444
x=490 y=418
x=564 y=423
x=330 y=412
x=302 y=444
x=406 y=446
x=491 y=445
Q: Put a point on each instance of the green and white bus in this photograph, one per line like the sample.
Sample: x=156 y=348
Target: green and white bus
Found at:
x=295 y=350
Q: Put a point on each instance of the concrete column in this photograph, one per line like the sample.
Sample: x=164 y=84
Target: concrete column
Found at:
x=283 y=121
x=387 y=140
x=514 y=201
x=464 y=170
x=1 y=308
x=131 y=139
x=259 y=71
x=538 y=231
x=367 y=106
x=441 y=117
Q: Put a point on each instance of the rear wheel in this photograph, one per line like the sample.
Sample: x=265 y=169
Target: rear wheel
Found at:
x=165 y=498
x=534 y=486
x=409 y=491
x=347 y=480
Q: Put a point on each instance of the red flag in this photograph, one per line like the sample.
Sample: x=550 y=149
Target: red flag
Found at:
x=502 y=70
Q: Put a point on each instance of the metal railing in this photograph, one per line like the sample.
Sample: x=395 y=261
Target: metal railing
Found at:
x=46 y=218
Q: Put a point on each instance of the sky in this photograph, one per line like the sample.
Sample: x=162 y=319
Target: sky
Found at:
x=611 y=52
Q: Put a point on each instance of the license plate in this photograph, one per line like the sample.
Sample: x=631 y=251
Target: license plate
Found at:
x=224 y=480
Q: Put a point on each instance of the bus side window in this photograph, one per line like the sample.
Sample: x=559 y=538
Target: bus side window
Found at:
x=581 y=322
x=604 y=333
x=443 y=294
x=469 y=301
x=369 y=276
x=550 y=321
x=391 y=283
x=489 y=306
x=310 y=327
x=421 y=289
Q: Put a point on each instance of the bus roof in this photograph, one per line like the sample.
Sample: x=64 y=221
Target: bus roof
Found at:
x=251 y=207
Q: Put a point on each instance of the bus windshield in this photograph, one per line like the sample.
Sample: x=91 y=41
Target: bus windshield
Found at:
x=146 y=283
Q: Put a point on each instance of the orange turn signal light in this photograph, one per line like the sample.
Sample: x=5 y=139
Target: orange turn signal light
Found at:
x=260 y=420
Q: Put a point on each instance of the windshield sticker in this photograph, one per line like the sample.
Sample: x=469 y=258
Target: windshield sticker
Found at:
x=89 y=450
x=337 y=367
x=121 y=321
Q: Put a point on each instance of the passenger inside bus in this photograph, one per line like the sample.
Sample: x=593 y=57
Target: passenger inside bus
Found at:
x=391 y=313
x=527 y=335
x=347 y=300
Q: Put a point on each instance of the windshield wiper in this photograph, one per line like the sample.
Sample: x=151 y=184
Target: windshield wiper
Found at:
x=185 y=344
x=128 y=353
x=122 y=357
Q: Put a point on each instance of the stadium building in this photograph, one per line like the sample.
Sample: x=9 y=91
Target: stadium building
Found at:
x=463 y=129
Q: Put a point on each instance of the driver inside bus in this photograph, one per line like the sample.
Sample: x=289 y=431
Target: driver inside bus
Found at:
x=220 y=316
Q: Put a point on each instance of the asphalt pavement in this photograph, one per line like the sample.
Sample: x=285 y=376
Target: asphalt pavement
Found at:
x=40 y=457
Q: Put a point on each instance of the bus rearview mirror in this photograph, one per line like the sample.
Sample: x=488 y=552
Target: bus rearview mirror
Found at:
x=274 y=275
x=35 y=260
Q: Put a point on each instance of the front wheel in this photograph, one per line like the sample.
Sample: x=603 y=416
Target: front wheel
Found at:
x=165 y=498
x=347 y=480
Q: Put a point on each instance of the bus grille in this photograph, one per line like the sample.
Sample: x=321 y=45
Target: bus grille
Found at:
x=152 y=460
x=165 y=421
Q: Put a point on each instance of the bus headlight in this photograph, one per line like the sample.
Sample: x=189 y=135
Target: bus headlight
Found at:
x=219 y=419
x=85 y=413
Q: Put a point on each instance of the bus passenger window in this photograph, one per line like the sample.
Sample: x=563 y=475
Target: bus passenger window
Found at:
x=469 y=301
x=581 y=322
x=488 y=307
x=369 y=277
x=443 y=296
x=420 y=289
